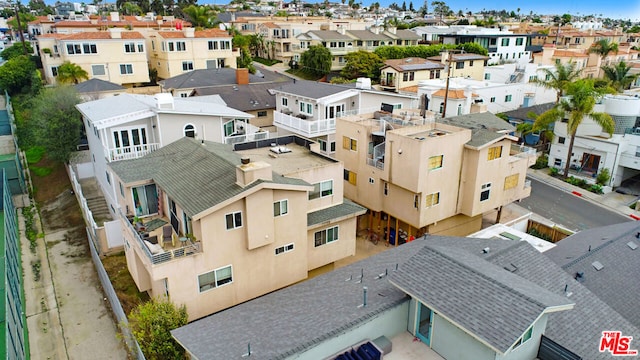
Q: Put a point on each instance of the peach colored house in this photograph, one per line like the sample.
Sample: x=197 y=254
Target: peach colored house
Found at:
x=115 y=55
x=590 y=63
x=175 y=52
x=463 y=65
x=419 y=176
x=228 y=226
x=397 y=74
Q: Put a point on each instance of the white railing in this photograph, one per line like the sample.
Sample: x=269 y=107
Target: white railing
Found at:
x=369 y=110
x=252 y=133
x=130 y=152
x=88 y=215
x=522 y=151
x=305 y=127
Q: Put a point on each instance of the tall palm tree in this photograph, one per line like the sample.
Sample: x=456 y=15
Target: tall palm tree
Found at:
x=575 y=107
x=559 y=78
x=200 y=16
x=603 y=48
x=619 y=76
x=71 y=73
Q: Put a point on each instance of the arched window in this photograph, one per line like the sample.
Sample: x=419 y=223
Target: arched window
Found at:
x=190 y=131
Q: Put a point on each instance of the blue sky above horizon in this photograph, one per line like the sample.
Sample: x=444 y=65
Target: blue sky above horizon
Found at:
x=615 y=10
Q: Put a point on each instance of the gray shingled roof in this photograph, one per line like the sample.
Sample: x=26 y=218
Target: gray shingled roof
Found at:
x=366 y=35
x=244 y=97
x=484 y=120
x=504 y=304
x=404 y=35
x=616 y=284
x=213 y=77
x=347 y=208
x=521 y=113
x=196 y=175
x=295 y=319
x=311 y=89
x=97 y=85
x=481 y=137
x=330 y=35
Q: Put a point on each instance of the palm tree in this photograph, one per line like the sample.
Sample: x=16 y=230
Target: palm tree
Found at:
x=575 y=107
x=527 y=128
x=71 y=73
x=200 y=16
x=619 y=76
x=603 y=48
x=559 y=78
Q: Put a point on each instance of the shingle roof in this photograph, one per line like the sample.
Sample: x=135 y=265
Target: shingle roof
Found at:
x=413 y=63
x=311 y=89
x=481 y=137
x=504 y=304
x=196 y=175
x=330 y=35
x=102 y=35
x=616 y=283
x=295 y=319
x=212 y=77
x=368 y=35
x=347 y=208
x=404 y=35
x=97 y=85
x=484 y=120
x=522 y=113
x=243 y=97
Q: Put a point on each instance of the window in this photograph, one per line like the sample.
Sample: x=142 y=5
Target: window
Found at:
x=519 y=41
x=351 y=177
x=487 y=76
x=385 y=189
x=547 y=77
x=435 y=162
x=492 y=41
x=280 y=208
x=494 y=153
x=108 y=177
x=507 y=98
x=326 y=236
x=285 y=102
x=323 y=145
x=306 y=108
x=121 y=189
x=140 y=47
x=187 y=65
x=225 y=45
x=129 y=48
x=321 y=189
x=234 y=220
x=262 y=113
x=460 y=65
x=485 y=190
x=126 y=69
x=493 y=99
x=416 y=201
x=557 y=162
x=533 y=78
x=284 y=249
x=511 y=181
x=349 y=143
x=215 y=278
x=372 y=181
x=181 y=46
x=561 y=140
x=213 y=45
x=189 y=131
x=524 y=338
x=405 y=76
x=432 y=199
x=505 y=42
x=98 y=70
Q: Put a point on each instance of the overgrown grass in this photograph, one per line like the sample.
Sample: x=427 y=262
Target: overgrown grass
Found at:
x=304 y=74
x=34 y=154
x=31 y=230
x=267 y=62
x=40 y=171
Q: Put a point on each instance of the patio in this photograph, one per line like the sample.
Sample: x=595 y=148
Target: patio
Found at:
x=157 y=244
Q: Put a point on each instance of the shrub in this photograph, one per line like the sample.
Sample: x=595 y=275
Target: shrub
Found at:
x=34 y=154
x=542 y=162
x=553 y=171
x=603 y=177
x=596 y=188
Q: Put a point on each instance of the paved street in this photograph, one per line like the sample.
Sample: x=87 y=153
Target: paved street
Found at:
x=564 y=208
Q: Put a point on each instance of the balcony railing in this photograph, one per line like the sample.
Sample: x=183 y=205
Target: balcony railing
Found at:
x=522 y=151
x=167 y=254
x=251 y=133
x=305 y=127
x=130 y=152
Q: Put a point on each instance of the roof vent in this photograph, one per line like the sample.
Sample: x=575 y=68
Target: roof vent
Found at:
x=486 y=250
x=597 y=265
x=579 y=275
x=632 y=245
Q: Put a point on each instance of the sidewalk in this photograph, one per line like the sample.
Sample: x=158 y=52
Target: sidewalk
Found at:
x=612 y=201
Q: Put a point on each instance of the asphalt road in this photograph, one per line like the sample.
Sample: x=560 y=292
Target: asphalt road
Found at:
x=568 y=210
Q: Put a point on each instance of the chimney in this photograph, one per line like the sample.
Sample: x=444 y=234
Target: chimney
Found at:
x=115 y=16
x=115 y=33
x=164 y=101
x=189 y=32
x=242 y=76
x=248 y=172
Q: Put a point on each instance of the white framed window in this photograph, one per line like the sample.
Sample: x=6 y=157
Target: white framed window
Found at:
x=285 y=102
x=187 y=65
x=385 y=189
x=262 y=113
x=280 y=208
x=432 y=199
x=225 y=45
x=435 y=162
x=321 y=189
x=487 y=76
x=493 y=99
x=524 y=338
x=189 y=131
x=485 y=191
x=234 y=220
x=284 y=249
x=98 y=70
x=306 y=108
x=215 y=278
x=507 y=98
x=325 y=236
x=126 y=69
x=140 y=47
x=349 y=143
x=372 y=181
x=129 y=47
x=54 y=71
x=213 y=45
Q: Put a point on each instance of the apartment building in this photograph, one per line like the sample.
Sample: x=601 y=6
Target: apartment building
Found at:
x=418 y=176
x=589 y=63
x=82 y=23
x=399 y=74
x=582 y=39
x=256 y=212
x=464 y=65
x=116 y=56
x=175 y=52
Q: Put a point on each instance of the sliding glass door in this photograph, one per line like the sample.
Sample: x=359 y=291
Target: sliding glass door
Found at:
x=145 y=199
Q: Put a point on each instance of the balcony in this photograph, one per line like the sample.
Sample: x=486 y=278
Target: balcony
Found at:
x=304 y=127
x=519 y=152
x=246 y=132
x=388 y=83
x=180 y=248
x=130 y=152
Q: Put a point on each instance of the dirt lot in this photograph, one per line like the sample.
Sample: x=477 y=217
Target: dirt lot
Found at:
x=67 y=314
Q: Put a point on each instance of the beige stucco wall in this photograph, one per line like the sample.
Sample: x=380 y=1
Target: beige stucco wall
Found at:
x=207 y=127
x=328 y=253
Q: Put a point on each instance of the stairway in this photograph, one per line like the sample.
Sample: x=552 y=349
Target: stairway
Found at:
x=95 y=200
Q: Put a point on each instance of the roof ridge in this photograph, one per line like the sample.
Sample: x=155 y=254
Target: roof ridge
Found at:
x=598 y=248
x=492 y=280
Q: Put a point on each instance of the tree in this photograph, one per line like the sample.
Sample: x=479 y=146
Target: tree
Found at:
x=317 y=60
x=619 y=76
x=603 y=47
x=362 y=64
x=15 y=50
x=440 y=8
x=200 y=16
x=559 y=78
x=56 y=121
x=151 y=324
x=131 y=8
x=526 y=128
x=70 y=73
x=17 y=74
x=575 y=107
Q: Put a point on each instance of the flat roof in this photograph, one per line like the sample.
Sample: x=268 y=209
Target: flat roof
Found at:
x=288 y=158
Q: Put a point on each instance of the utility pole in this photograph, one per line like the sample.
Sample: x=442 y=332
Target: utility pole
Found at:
x=17 y=10
x=446 y=89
